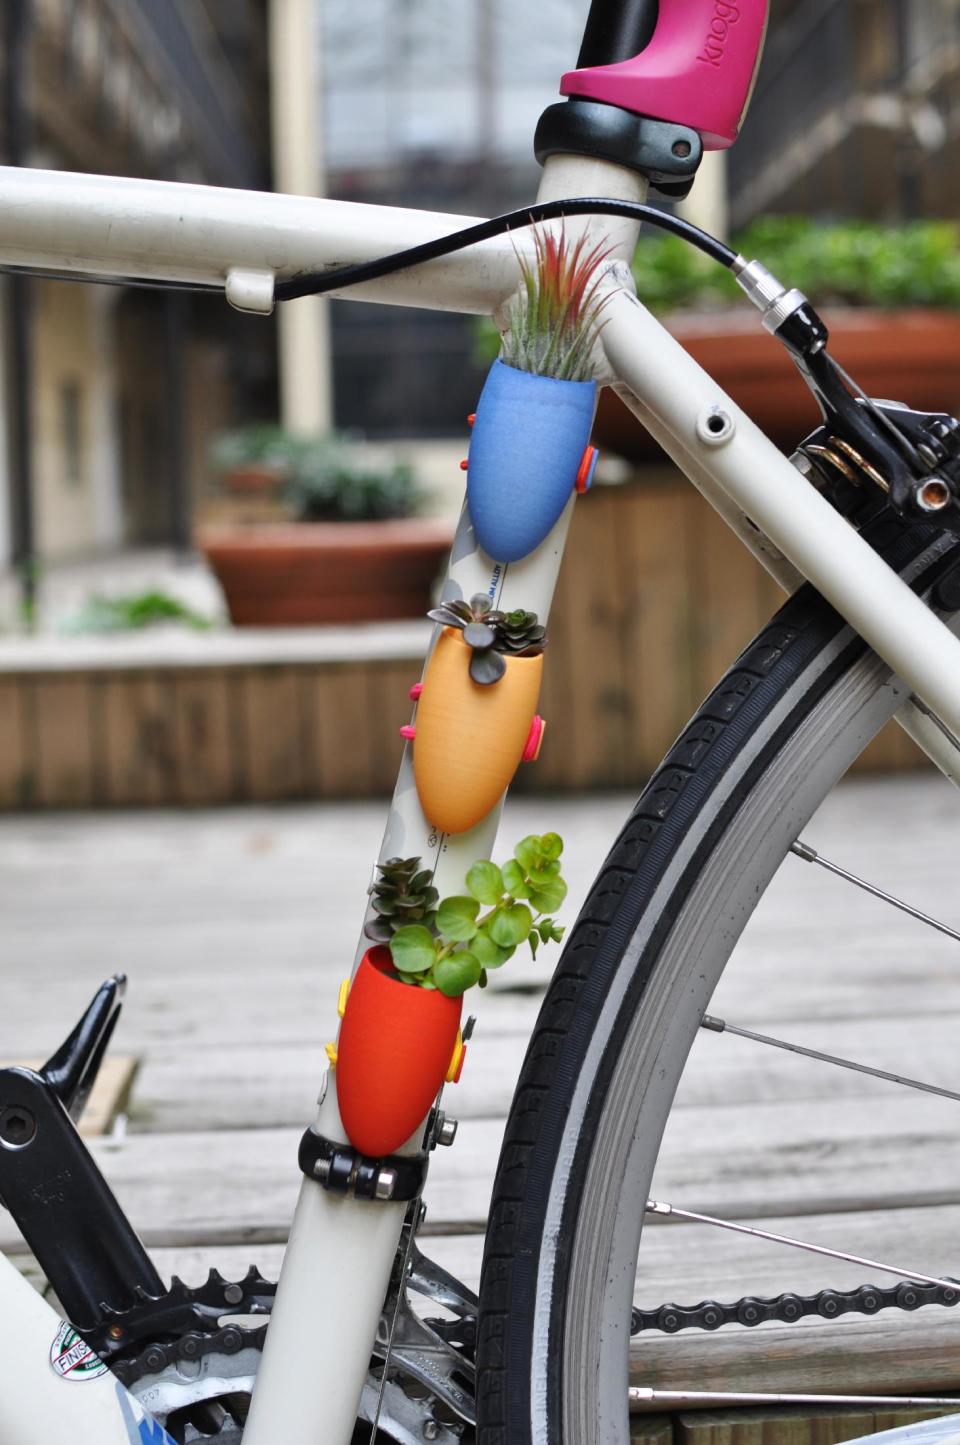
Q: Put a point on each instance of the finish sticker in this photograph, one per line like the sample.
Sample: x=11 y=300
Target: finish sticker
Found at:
x=72 y=1357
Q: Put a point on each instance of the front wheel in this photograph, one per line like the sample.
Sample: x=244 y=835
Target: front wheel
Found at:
x=625 y=1005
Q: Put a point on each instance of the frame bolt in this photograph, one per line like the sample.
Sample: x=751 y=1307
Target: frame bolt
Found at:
x=18 y=1127
x=933 y=495
x=446 y=1130
x=431 y=1430
x=715 y=426
x=386 y=1184
x=321 y=1170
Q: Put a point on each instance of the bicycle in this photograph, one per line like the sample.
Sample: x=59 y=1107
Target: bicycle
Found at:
x=864 y=641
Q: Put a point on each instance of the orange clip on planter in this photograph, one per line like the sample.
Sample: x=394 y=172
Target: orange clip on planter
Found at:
x=469 y=739
x=395 y=1050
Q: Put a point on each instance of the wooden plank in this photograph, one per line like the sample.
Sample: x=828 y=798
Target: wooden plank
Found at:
x=338 y=704
x=204 y=735
x=109 y=1095
x=723 y=1071
x=273 y=733
x=138 y=739
x=388 y=709
x=63 y=717
x=796 y=1426
x=17 y=764
x=181 y=1188
x=655 y=558
x=727 y=601
x=590 y=724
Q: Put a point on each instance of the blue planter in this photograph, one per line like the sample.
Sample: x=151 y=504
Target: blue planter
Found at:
x=526 y=447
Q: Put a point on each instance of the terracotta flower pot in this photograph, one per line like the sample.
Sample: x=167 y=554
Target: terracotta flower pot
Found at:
x=526 y=448
x=395 y=1049
x=297 y=574
x=469 y=739
x=911 y=356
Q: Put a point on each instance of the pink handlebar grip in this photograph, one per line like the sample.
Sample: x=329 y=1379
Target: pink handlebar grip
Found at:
x=697 y=71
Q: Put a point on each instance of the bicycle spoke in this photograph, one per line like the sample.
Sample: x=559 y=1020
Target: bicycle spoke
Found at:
x=655 y=1206
x=800 y=849
x=723 y=1026
x=639 y=1395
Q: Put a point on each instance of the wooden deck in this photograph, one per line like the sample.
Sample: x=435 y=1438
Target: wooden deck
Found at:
x=235 y=928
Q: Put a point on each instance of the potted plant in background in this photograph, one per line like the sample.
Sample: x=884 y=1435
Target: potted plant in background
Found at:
x=346 y=545
x=889 y=294
x=400 y=1031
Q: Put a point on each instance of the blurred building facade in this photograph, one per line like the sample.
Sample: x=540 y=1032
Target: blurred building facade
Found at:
x=431 y=103
x=856 y=112
x=120 y=389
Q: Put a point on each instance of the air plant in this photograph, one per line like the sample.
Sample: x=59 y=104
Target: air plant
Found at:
x=555 y=319
x=491 y=635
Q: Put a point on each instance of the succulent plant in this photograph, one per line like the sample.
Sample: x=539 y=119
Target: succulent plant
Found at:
x=460 y=940
x=402 y=893
x=491 y=634
x=555 y=318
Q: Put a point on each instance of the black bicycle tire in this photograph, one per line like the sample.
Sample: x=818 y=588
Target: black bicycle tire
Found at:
x=791 y=648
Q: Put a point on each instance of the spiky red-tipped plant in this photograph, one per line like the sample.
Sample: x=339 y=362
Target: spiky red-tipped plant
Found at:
x=555 y=318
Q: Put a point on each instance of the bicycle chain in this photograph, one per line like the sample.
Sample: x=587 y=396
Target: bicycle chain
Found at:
x=229 y=1340
x=829 y=1304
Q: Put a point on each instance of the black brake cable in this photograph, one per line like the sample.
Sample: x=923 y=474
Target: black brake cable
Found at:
x=315 y=283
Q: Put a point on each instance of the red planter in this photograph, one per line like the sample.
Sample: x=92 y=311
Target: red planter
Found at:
x=297 y=574
x=911 y=356
x=394 y=1051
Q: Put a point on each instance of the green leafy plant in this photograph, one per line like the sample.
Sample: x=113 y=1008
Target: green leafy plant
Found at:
x=555 y=318
x=133 y=613
x=854 y=263
x=491 y=635
x=458 y=940
x=849 y=263
x=324 y=479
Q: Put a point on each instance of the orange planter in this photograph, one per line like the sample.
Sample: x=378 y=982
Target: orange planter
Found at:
x=469 y=739
x=395 y=1049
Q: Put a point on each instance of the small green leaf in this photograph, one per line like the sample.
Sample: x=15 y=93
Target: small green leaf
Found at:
x=490 y=954
x=534 y=941
x=545 y=899
x=413 y=949
x=528 y=851
x=457 y=919
x=482 y=980
x=551 y=845
x=456 y=973
x=485 y=882
x=511 y=926
x=514 y=879
x=544 y=875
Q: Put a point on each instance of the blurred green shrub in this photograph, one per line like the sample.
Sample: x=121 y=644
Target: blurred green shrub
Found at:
x=133 y=613
x=327 y=479
x=850 y=263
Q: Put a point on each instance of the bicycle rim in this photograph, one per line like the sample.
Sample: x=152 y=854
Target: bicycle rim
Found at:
x=624 y=1007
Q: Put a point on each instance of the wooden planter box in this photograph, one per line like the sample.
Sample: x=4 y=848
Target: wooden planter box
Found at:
x=298 y=574
x=910 y=356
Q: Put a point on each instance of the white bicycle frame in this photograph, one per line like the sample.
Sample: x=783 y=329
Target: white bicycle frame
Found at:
x=338 y=1262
